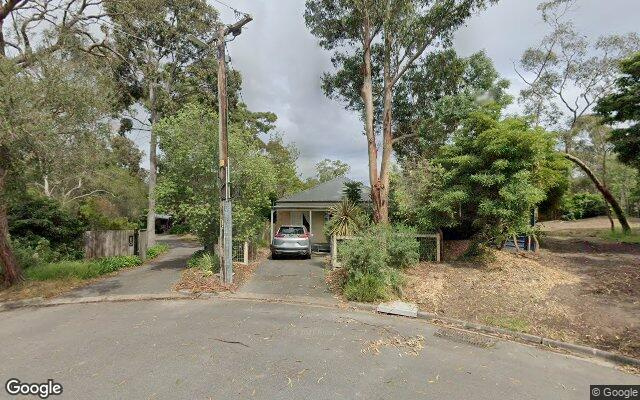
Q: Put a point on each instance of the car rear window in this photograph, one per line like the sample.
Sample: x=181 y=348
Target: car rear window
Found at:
x=292 y=230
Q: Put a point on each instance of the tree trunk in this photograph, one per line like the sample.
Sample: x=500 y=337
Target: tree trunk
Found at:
x=367 y=98
x=387 y=148
x=153 y=170
x=2 y=44
x=387 y=133
x=603 y=190
x=10 y=268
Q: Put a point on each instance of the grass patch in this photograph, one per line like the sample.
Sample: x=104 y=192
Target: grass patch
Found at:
x=511 y=323
x=46 y=289
x=621 y=237
x=80 y=269
x=157 y=249
x=205 y=261
x=367 y=288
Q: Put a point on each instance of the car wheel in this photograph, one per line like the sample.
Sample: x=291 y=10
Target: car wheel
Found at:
x=274 y=256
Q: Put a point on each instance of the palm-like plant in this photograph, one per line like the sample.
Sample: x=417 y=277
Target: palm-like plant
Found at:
x=347 y=219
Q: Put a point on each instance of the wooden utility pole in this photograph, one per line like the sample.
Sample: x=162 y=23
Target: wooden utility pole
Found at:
x=226 y=224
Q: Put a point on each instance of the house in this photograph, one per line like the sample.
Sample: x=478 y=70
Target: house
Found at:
x=311 y=209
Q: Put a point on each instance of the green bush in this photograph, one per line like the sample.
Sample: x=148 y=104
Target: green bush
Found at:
x=366 y=288
x=365 y=254
x=111 y=264
x=80 y=269
x=179 y=229
x=402 y=247
x=205 y=261
x=43 y=231
x=157 y=249
x=583 y=205
x=374 y=259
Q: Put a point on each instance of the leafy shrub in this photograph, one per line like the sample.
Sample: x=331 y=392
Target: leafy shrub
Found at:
x=365 y=254
x=402 y=247
x=583 y=205
x=40 y=225
x=366 y=288
x=157 y=249
x=111 y=264
x=179 y=229
x=374 y=259
x=205 y=261
x=100 y=214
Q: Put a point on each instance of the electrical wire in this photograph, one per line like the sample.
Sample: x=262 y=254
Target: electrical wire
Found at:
x=237 y=12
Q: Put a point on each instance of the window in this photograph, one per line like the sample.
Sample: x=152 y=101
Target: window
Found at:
x=291 y=230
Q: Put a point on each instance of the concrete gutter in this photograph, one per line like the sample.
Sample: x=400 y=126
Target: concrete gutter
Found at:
x=322 y=302
x=41 y=302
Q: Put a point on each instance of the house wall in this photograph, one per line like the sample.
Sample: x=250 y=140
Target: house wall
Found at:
x=317 y=227
x=283 y=217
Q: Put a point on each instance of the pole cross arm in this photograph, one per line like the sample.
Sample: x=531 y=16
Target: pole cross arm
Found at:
x=236 y=29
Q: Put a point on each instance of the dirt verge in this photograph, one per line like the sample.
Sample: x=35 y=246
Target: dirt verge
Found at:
x=585 y=297
x=196 y=280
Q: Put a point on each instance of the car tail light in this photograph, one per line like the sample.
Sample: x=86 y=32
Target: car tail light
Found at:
x=279 y=235
x=305 y=236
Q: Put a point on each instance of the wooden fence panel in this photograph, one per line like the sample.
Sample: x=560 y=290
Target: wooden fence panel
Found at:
x=99 y=244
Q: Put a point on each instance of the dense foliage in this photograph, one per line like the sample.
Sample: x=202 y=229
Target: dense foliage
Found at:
x=156 y=250
x=188 y=183
x=583 y=205
x=624 y=107
x=374 y=260
x=486 y=182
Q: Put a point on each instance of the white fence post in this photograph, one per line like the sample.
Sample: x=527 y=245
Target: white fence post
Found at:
x=246 y=253
x=334 y=251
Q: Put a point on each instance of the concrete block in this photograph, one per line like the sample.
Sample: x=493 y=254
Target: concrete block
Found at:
x=399 y=308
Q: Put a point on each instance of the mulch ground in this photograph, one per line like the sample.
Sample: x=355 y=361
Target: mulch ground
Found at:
x=575 y=295
x=198 y=281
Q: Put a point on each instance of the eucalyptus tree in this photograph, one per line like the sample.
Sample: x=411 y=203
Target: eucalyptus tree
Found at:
x=566 y=75
x=35 y=107
x=154 y=48
x=382 y=40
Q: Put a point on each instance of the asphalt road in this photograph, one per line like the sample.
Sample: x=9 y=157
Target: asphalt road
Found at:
x=290 y=276
x=226 y=349
x=156 y=276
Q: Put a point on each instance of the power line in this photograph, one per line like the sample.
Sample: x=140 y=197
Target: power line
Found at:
x=237 y=12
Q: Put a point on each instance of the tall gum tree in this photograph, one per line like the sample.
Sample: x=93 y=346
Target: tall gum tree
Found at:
x=31 y=30
x=565 y=76
x=154 y=48
x=381 y=37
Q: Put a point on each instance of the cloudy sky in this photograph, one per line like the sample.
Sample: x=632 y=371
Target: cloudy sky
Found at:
x=281 y=65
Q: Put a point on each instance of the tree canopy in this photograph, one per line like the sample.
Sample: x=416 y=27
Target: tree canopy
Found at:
x=623 y=107
x=486 y=182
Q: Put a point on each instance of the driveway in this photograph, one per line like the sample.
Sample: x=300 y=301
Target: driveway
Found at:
x=156 y=276
x=290 y=277
x=237 y=349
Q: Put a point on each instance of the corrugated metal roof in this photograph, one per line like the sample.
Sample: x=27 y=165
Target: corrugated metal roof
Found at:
x=327 y=192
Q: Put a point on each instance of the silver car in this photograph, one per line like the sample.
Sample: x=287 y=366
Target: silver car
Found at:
x=291 y=239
